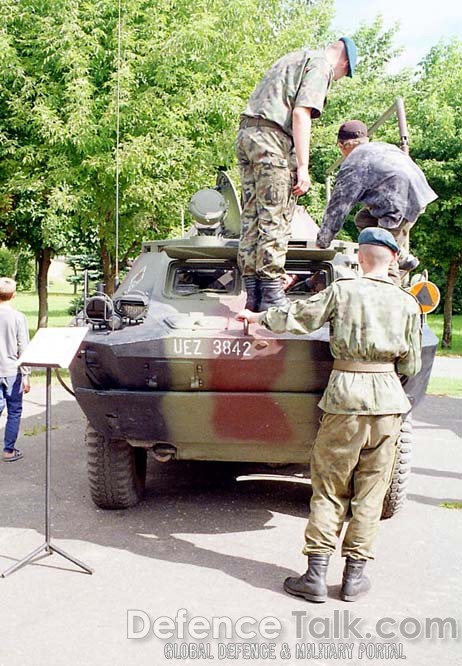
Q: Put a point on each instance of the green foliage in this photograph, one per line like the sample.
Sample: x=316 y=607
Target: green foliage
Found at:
x=436 y=121
x=7 y=262
x=25 y=272
x=186 y=70
x=19 y=266
x=366 y=96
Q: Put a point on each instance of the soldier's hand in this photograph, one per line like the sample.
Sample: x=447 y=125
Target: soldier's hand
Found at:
x=303 y=181
x=252 y=317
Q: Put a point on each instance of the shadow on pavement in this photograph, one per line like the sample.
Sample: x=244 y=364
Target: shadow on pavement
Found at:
x=442 y=412
x=433 y=501
x=182 y=499
x=440 y=473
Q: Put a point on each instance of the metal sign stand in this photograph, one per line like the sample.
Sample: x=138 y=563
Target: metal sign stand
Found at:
x=62 y=345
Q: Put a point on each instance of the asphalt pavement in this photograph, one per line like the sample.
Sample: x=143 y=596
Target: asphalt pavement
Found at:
x=217 y=547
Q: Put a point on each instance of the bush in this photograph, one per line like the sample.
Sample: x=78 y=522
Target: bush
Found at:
x=19 y=266
x=7 y=263
x=25 y=272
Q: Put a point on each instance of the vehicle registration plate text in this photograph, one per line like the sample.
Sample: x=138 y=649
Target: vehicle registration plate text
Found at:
x=217 y=347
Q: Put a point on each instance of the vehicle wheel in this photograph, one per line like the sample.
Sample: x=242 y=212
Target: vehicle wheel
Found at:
x=396 y=493
x=116 y=471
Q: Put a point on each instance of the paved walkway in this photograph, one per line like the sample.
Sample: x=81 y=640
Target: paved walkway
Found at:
x=450 y=367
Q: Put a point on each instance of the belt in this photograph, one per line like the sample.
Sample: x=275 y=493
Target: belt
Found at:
x=249 y=121
x=363 y=366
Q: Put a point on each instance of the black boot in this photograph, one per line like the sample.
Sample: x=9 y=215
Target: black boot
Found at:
x=252 y=287
x=355 y=583
x=272 y=294
x=312 y=585
x=409 y=263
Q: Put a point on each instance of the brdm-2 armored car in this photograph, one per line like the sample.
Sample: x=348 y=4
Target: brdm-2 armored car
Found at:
x=165 y=367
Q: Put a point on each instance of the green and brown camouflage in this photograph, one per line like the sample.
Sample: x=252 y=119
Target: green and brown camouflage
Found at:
x=300 y=78
x=187 y=381
x=268 y=168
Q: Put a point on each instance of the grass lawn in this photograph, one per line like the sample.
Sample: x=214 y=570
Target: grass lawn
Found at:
x=436 y=324
x=58 y=304
x=445 y=386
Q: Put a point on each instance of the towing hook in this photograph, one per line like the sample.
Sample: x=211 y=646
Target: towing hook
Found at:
x=246 y=326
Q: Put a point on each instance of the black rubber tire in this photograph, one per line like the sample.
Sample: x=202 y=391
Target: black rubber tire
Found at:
x=396 y=493
x=116 y=471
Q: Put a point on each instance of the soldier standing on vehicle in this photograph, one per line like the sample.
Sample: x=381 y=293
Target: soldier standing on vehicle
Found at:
x=273 y=146
x=391 y=186
x=374 y=333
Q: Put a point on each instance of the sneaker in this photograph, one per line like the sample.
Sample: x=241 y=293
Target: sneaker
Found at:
x=17 y=455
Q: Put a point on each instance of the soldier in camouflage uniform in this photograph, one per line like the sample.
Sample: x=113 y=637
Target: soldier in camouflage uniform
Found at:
x=374 y=333
x=391 y=186
x=273 y=153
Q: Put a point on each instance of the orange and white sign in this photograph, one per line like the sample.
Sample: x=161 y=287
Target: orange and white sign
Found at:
x=427 y=294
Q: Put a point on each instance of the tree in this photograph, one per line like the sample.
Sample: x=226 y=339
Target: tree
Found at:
x=437 y=143
x=186 y=70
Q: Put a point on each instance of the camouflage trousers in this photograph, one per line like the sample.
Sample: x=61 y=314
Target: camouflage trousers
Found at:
x=268 y=173
x=401 y=234
x=351 y=467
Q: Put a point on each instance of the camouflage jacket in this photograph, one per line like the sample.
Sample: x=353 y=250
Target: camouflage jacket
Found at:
x=370 y=320
x=383 y=178
x=300 y=78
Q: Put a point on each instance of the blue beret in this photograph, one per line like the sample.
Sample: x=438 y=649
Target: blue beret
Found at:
x=352 y=54
x=378 y=236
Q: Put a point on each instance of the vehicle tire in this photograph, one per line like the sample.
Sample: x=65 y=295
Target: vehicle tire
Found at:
x=116 y=471
x=396 y=493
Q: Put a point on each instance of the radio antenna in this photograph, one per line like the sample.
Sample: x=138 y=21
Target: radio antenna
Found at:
x=119 y=41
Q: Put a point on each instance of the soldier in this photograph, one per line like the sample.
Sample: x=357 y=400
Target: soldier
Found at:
x=374 y=333
x=391 y=186
x=273 y=154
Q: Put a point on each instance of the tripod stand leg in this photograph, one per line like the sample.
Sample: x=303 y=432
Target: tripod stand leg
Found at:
x=55 y=549
x=28 y=558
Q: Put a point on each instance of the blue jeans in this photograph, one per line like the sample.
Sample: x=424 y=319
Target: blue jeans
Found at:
x=11 y=396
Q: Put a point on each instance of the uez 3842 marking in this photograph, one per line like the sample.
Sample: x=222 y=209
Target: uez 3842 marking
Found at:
x=219 y=347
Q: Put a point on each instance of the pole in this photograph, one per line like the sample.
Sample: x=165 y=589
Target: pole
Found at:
x=46 y=548
x=48 y=458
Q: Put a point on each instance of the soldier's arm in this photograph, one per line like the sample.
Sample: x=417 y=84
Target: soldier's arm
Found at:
x=349 y=186
x=304 y=316
x=301 y=128
x=411 y=363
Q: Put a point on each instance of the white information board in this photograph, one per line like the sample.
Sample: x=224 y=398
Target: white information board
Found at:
x=53 y=347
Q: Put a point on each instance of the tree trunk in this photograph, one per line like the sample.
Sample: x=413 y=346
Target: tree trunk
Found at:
x=453 y=273
x=44 y=260
x=108 y=269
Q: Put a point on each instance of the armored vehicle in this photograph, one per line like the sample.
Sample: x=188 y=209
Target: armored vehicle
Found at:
x=165 y=367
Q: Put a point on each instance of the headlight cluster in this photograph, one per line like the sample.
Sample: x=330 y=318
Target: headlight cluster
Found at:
x=103 y=312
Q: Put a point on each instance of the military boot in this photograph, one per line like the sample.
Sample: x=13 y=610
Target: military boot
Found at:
x=409 y=263
x=272 y=294
x=355 y=583
x=312 y=585
x=252 y=287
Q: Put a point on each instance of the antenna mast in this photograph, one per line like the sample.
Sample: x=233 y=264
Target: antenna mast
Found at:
x=119 y=41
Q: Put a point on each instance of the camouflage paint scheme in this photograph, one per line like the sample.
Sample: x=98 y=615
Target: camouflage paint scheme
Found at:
x=268 y=168
x=300 y=78
x=385 y=180
x=267 y=161
x=190 y=375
